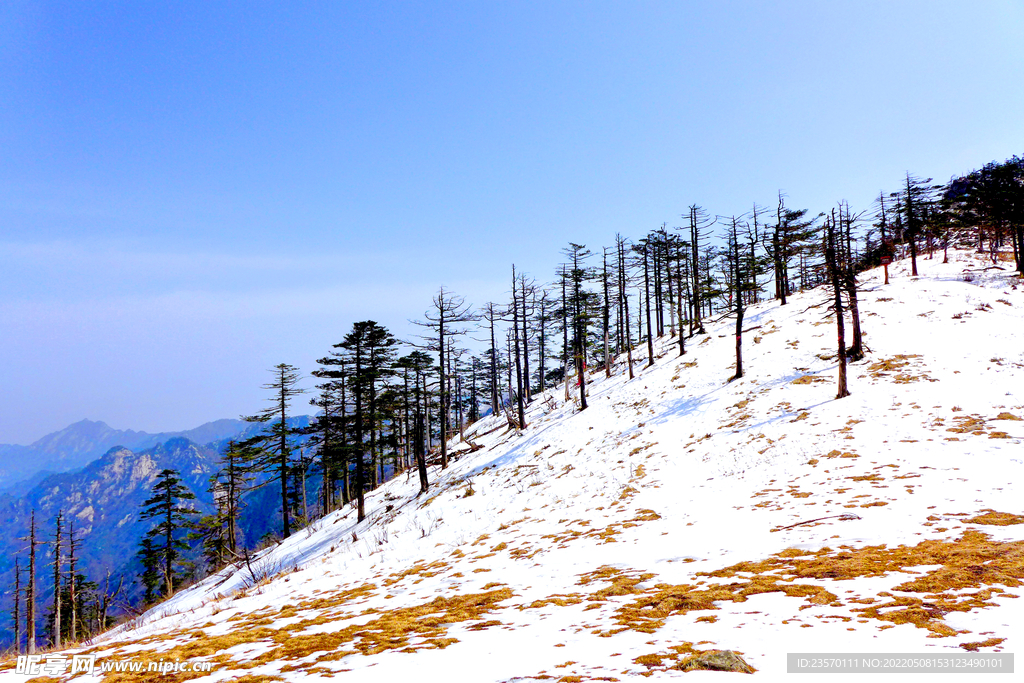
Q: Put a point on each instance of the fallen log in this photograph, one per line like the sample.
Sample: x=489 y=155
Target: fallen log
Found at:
x=845 y=517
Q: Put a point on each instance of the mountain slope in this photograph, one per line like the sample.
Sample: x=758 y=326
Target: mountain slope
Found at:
x=679 y=513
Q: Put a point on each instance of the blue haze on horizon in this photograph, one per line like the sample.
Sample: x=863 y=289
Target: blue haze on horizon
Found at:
x=193 y=192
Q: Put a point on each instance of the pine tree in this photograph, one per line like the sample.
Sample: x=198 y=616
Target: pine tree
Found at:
x=150 y=570
x=333 y=427
x=17 y=605
x=832 y=235
x=914 y=198
x=579 y=306
x=520 y=390
x=167 y=538
x=30 y=590
x=58 y=562
x=623 y=283
x=446 y=317
x=739 y=274
x=370 y=350
x=699 y=222
x=72 y=582
x=274 y=452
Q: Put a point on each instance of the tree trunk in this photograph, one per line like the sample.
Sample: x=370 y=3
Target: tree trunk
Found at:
x=833 y=267
x=519 y=370
x=647 y=302
x=30 y=591
x=606 y=314
x=56 y=582
x=624 y=297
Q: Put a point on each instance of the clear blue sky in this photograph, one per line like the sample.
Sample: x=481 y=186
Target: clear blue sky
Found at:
x=193 y=192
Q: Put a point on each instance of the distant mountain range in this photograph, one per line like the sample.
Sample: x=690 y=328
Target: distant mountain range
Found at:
x=104 y=497
x=79 y=444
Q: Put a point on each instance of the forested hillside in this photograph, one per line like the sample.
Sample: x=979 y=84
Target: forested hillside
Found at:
x=777 y=407
x=680 y=513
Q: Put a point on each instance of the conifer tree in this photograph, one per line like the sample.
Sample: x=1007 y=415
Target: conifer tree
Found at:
x=578 y=305
x=74 y=543
x=333 y=427
x=150 y=570
x=58 y=562
x=738 y=271
x=370 y=350
x=30 y=590
x=849 y=274
x=620 y=247
x=545 y=314
x=445 y=318
x=699 y=223
x=17 y=605
x=914 y=199
x=167 y=538
x=274 y=445
x=831 y=239
x=520 y=390
x=492 y=315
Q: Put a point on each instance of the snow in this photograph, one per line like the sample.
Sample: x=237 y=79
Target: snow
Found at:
x=675 y=472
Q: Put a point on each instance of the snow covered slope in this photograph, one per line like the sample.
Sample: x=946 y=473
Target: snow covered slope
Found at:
x=680 y=512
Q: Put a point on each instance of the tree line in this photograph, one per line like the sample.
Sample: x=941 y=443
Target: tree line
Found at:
x=385 y=407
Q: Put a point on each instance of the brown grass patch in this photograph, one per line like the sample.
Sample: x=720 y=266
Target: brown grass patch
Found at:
x=991 y=517
x=418 y=569
x=390 y=630
x=974 y=647
x=898 y=364
x=967 y=569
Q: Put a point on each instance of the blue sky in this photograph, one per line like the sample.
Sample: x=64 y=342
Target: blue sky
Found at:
x=193 y=192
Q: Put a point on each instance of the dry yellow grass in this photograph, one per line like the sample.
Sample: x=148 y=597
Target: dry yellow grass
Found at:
x=967 y=572
x=809 y=379
x=991 y=517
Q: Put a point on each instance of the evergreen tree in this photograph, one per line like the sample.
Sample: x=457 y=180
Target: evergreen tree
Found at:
x=832 y=237
x=914 y=199
x=150 y=577
x=72 y=582
x=30 y=590
x=16 y=614
x=445 y=318
x=578 y=303
x=699 y=223
x=370 y=350
x=167 y=538
x=739 y=269
x=58 y=563
x=332 y=430
x=623 y=284
x=274 y=445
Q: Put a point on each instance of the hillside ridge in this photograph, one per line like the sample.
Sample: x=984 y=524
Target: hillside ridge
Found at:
x=679 y=513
